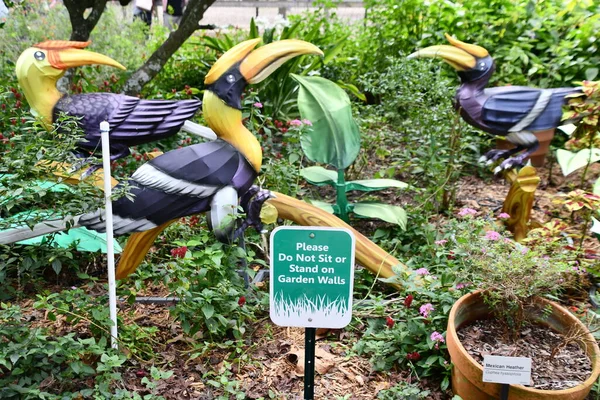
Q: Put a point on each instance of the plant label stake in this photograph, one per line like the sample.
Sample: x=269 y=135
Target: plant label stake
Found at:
x=312 y=275
x=110 y=254
x=507 y=370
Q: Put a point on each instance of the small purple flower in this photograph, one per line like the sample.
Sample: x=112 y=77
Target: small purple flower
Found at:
x=437 y=337
x=525 y=250
x=425 y=309
x=295 y=122
x=441 y=242
x=503 y=216
x=258 y=105
x=492 y=235
x=462 y=285
x=307 y=122
x=467 y=211
x=422 y=271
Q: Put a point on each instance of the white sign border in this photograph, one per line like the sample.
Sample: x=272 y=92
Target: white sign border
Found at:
x=319 y=323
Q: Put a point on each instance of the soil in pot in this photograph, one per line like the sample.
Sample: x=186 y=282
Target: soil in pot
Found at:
x=568 y=368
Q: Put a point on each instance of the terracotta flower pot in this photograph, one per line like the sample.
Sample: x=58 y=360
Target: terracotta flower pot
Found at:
x=467 y=373
x=539 y=156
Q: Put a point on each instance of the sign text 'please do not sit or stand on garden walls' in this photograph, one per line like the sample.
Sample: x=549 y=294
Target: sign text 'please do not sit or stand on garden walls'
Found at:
x=312 y=275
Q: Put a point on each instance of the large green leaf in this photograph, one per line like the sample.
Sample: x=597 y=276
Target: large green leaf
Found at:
x=334 y=138
x=570 y=162
x=371 y=185
x=388 y=213
x=319 y=176
x=323 y=206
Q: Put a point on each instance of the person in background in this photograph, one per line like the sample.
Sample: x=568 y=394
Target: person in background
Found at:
x=173 y=12
x=143 y=10
x=3 y=11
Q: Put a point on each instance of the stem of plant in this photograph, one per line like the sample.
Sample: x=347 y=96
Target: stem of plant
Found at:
x=586 y=224
x=448 y=193
x=341 y=199
x=587 y=166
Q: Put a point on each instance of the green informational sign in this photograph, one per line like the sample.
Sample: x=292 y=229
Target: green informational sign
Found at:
x=312 y=275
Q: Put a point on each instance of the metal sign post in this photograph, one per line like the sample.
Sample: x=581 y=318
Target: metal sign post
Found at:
x=110 y=254
x=312 y=274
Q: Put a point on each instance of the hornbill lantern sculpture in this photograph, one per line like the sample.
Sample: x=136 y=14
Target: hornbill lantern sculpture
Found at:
x=132 y=121
x=511 y=111
x=214 y=175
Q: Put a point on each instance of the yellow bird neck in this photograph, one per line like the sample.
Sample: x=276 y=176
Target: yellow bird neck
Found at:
x=42 y=95
x=227 y=124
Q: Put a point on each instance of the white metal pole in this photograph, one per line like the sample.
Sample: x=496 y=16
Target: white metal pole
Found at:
x=110 y=254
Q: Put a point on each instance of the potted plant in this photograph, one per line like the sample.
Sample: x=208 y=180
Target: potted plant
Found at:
x=513 y=283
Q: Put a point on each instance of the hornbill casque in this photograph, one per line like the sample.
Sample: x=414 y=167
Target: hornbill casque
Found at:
x=511 y=111
x=213 y=175
x=132 y=121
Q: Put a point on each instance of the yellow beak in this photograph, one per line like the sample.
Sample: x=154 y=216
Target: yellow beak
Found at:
x=263 y=61
x=459 y=59
x=462 y=56
x=69 y=58
x=258 y=64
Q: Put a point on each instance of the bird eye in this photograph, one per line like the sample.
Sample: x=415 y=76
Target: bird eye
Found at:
x=39 y=55
x=230 y=78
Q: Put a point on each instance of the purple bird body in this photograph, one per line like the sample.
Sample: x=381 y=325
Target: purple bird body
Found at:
x=132 y=121
x=176 y=184
x=515 y=112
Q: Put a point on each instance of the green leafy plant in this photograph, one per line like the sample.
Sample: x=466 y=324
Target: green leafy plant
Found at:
x=409 y=329
x=510 y=275
x=203 y=274
x=584 y=110
x=403 y=390
x=34 y=363
x=335 y=140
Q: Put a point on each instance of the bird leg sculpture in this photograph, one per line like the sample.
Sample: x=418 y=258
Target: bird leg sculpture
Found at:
x=252 y=205
x=514 y=112
x=519 y=201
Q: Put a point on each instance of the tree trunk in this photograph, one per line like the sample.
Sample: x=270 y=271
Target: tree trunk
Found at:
x=189 y=23
x=82 y=27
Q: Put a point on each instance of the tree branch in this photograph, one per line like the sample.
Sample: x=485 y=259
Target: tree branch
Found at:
x=81 y=27
x=189 y=24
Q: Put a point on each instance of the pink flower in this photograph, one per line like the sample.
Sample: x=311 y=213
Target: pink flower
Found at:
x=425 y=309
x=441 y=242
x=258 y=105
x=307 y=122
x=492 y=235
x=296 y=122
x=467 y=211
x=503 y=215
x=422 y=271
x=462 y=285
x=437 y=337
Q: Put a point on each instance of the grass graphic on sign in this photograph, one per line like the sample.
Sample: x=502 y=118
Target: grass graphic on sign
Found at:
x=306 y=307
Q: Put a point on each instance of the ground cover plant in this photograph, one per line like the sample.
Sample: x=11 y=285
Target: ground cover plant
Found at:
x=213 y=339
